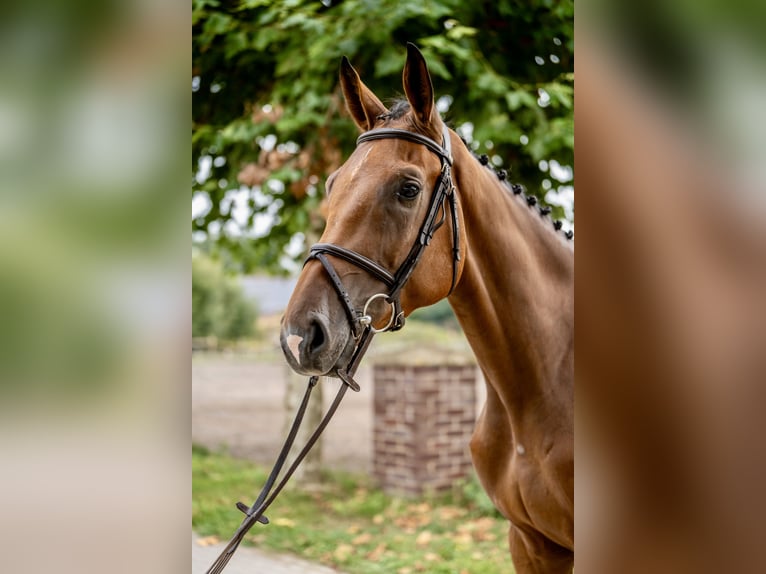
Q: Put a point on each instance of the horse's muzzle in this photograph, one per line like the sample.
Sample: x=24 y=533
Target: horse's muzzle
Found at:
x=313 y=345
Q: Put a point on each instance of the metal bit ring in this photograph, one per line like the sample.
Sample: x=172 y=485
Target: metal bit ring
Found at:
x=366 y=319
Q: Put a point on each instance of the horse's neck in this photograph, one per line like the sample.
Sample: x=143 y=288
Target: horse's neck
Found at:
x=515 y=296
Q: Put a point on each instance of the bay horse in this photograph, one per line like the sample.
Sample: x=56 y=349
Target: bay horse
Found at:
x=507 y=271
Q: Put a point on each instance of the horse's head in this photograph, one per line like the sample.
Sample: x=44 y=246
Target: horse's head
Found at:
x=378 y=201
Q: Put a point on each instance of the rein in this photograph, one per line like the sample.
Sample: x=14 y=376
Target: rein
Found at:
x=361 y=323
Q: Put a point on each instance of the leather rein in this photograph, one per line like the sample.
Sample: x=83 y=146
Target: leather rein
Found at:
x=444 y=196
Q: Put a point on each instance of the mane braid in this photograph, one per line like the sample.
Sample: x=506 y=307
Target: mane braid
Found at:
x=399 y=108
x=518 y=189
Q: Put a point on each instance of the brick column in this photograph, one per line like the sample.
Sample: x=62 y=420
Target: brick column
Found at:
x=424 y=418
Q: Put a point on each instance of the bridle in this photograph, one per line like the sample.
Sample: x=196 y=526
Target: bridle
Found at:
x=444 y=193
x=361 y=323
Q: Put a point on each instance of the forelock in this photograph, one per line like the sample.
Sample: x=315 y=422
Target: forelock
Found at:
x=397 y=111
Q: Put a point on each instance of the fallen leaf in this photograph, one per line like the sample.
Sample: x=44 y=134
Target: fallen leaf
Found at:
x=286 y=522
x=462 y=538
x=420 y=508
x=484 y=523
x=483 y=527
x=207 y=541
x=342 y=552
x=451 y=512
x=377 y=552
x=411 y=523
x=424 y=538
x=362 y=539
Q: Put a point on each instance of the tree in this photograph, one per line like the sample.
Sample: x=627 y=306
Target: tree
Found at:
x=269 y=122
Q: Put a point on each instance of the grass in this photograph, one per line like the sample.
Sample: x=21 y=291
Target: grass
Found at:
x=348 y=524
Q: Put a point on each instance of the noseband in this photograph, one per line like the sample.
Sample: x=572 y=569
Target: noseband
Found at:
x=444 y=192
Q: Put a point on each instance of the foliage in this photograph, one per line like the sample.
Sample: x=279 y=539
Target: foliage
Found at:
x=269 y=122
x=219 y=307
x=350 y=525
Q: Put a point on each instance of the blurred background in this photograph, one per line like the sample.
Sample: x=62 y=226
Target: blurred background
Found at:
x=94 y=277
x=671 y=271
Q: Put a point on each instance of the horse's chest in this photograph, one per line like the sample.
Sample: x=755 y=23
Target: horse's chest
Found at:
x=530 y=488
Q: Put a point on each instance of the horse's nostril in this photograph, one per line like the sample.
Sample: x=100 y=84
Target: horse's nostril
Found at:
x=317 y=337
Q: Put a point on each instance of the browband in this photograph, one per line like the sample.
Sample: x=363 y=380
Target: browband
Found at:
x=443 y=151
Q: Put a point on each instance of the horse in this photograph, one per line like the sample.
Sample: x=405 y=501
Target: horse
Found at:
x=507 y=270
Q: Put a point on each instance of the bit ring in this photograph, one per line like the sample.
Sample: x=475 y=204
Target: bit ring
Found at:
x=366 y=319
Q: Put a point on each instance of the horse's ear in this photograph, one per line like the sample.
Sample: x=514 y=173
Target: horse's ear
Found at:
x=417 y=85
x=364 y=106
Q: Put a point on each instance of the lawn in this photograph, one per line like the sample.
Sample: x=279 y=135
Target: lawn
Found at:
x=348 y=524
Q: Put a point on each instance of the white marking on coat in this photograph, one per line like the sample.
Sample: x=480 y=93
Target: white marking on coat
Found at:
x=292 y=343
x=360 y=164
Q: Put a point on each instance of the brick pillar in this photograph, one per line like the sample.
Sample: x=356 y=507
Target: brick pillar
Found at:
x=424 y=418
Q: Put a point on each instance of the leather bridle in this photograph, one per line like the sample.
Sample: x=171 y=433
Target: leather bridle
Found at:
x=444 y=193
x=361 y=322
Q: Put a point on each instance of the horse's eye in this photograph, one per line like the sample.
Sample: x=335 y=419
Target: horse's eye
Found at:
x=409 y=191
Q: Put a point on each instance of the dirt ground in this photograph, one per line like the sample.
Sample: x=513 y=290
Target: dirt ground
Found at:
x=238 y=406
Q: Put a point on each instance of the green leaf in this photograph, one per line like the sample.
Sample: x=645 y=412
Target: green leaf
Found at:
x=249 y=4
x=519 y=98
x=235 y=43
x=218 y=23
x=492 y=83
x=560 y=94
x=241 y=131
x=459 y=32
